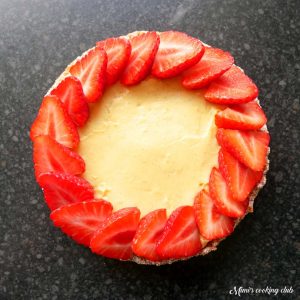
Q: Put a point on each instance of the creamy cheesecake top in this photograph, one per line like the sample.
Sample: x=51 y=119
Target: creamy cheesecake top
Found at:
x=152 y=145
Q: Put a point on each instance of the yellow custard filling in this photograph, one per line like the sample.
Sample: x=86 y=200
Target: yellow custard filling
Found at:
x=152 y=145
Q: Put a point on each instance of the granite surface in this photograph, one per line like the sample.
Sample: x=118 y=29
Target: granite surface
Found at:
x=37 y=40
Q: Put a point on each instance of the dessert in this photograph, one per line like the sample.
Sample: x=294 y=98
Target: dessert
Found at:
x=150 y=147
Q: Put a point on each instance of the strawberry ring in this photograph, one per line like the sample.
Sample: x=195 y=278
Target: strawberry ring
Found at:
x=156 y=238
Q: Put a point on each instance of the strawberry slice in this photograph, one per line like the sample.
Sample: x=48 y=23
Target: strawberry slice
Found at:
x=61 y=189
x=70 y=93
x=241 y=116
x=222 y=198
x=233 y=87
x=212 y=65
x=177 y=52
x=180 y=237
x=149 y=231
x=90 y=70
x=113 y=238
x=54 y=121
x=143 y=50
x=240 y=179
x=48 y=155
x=212 y=225
x=249 y=147
x=81 y=220
x=118 y=52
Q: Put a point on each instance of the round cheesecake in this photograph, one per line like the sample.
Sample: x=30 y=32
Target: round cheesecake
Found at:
x=150 y=147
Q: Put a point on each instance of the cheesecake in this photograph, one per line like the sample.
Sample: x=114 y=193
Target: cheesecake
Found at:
x=150 y=147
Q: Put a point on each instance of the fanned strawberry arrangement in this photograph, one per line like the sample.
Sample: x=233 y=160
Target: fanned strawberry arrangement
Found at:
x=156 y=237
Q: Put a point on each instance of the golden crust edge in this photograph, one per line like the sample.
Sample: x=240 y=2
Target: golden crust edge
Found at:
x=211 y=245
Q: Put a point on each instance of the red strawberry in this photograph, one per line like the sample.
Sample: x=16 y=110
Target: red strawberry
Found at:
x=177 y=52
x=48 y=155
x=81 y=220
x=118 y=52
x=212 y=65
x=180 y=237
x=150 y=229
x=90 y=70
x=113 y=238
x=240 y=179
x=241 y=116
x=61 y=189
x=249 y=147
x=70 y=93
x=233 y=87
x=54 y=121
x=222 y=198
x=143 y=50
x=212 y=224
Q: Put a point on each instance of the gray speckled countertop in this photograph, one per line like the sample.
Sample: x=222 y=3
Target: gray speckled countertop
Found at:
x=37 y=40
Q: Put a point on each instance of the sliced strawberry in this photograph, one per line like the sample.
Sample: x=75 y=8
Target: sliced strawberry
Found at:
x=70 y=93
x=113 y=238
x=143 y=50
x=212 y=65
x=61 y=189
x=241 y=116
x=212 y=224
x=177 y=52
x=220 y=193
x=149 y=231
x=233 y=87
x=249 y=147
x=180 y=237
x=90 y=70
x=118 y=52
x=48 y=155
x=240 y=179
x=54 y=121
x=81 y=220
